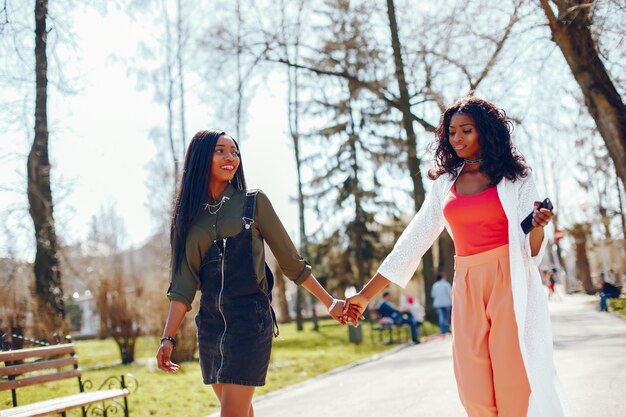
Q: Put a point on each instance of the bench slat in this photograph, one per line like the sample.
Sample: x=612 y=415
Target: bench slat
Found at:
x=39 y=352
x=56 y=405
x=20 y=383
x=37 y=366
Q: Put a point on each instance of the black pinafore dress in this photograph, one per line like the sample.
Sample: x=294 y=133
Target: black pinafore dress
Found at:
x=236 y=321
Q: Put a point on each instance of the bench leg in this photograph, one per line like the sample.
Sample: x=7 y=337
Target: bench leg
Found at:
x=125 y=398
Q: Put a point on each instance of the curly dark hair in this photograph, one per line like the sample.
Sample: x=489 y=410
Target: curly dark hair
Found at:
x=500 y=158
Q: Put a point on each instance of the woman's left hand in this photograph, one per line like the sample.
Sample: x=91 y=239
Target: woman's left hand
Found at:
x=541 y=217
x=337 y=312
x=163 y=357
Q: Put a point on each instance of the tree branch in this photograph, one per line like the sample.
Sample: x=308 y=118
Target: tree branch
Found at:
x=373 y=87
x=499 y=46
x=545 y=5
x=449 y=60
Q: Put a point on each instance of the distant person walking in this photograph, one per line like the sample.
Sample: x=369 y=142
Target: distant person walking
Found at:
x=441 y=293
x=218 y=232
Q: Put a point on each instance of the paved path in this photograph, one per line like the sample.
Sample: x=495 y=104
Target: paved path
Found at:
x=590 y=355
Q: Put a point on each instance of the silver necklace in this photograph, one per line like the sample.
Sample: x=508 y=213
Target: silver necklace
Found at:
x=217 y=206
x=472 y=161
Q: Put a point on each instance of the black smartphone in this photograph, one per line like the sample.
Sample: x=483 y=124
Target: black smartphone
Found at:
x=527 y=223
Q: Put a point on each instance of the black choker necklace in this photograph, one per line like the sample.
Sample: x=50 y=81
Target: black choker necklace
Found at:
x=470 y=161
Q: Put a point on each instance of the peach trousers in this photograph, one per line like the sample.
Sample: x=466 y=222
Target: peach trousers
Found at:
x=488 y=365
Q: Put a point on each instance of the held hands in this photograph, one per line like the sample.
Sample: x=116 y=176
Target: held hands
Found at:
x=354 y=308
x=163 y=357
x=541 y=217
x=337 y=312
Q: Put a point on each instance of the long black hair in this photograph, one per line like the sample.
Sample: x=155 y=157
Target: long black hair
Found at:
x=500 y=158
x=194 y=188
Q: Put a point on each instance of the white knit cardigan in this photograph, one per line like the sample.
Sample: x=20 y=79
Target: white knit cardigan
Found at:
x=529 y=299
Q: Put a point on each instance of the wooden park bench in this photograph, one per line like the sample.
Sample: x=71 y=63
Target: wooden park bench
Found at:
x=395 y=333
x=36 y=366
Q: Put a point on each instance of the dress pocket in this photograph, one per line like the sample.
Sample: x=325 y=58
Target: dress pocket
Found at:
x=262 y=314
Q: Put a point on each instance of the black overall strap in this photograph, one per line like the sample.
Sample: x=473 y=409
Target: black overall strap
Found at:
x=248 y=219
x=248 y=212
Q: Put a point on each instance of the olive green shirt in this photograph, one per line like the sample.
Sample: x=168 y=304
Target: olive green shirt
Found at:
x=227 y=222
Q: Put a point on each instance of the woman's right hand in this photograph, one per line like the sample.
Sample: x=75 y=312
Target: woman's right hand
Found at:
x=163 y=357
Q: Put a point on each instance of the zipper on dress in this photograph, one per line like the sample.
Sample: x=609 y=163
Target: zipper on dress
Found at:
x=219 y=306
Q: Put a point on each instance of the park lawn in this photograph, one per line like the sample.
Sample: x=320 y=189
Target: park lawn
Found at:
x=617 y=305
x=296 y=356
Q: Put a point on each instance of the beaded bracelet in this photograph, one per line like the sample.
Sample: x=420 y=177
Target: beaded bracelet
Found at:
x=169 y=339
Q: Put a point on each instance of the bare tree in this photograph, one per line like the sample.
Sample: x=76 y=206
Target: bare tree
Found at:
x=414 y=106
x=117 y=307
x=48 y=287
x=293 y=116
x=181 y=41
x=238 y=40
x=571 y=25
x=119 y=291
x=343 y=188
x=413 y=161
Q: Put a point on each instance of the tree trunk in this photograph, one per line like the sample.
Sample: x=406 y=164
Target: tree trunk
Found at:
x=293 y=112
x=419 y=194
x=621 y=211
x=238 y=112
x=557 y=243
x=48 y=289
x=181 y=78
x=571 y=31
x=303 y=239
x=360 y=225
x=446 y=256
x=283 y=306
x=583 y=271
x=169 y=65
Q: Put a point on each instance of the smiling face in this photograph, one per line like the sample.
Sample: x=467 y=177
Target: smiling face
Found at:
x=463 y=136
x=225 y=160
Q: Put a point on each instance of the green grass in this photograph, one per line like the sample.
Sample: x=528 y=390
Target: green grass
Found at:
x=617 y=305
x=296 y=356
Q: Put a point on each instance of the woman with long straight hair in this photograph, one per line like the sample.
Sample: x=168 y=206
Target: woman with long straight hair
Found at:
x=218 y=230
x=483 y=190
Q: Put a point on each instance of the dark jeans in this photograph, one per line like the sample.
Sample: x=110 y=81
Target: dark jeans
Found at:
x=444 y=318
x=407 y=318
x=604 y=296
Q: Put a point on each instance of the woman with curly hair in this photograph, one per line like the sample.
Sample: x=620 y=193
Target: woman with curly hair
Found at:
x=502 y=339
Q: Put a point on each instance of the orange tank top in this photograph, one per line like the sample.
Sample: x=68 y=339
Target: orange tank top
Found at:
x=477 y=221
